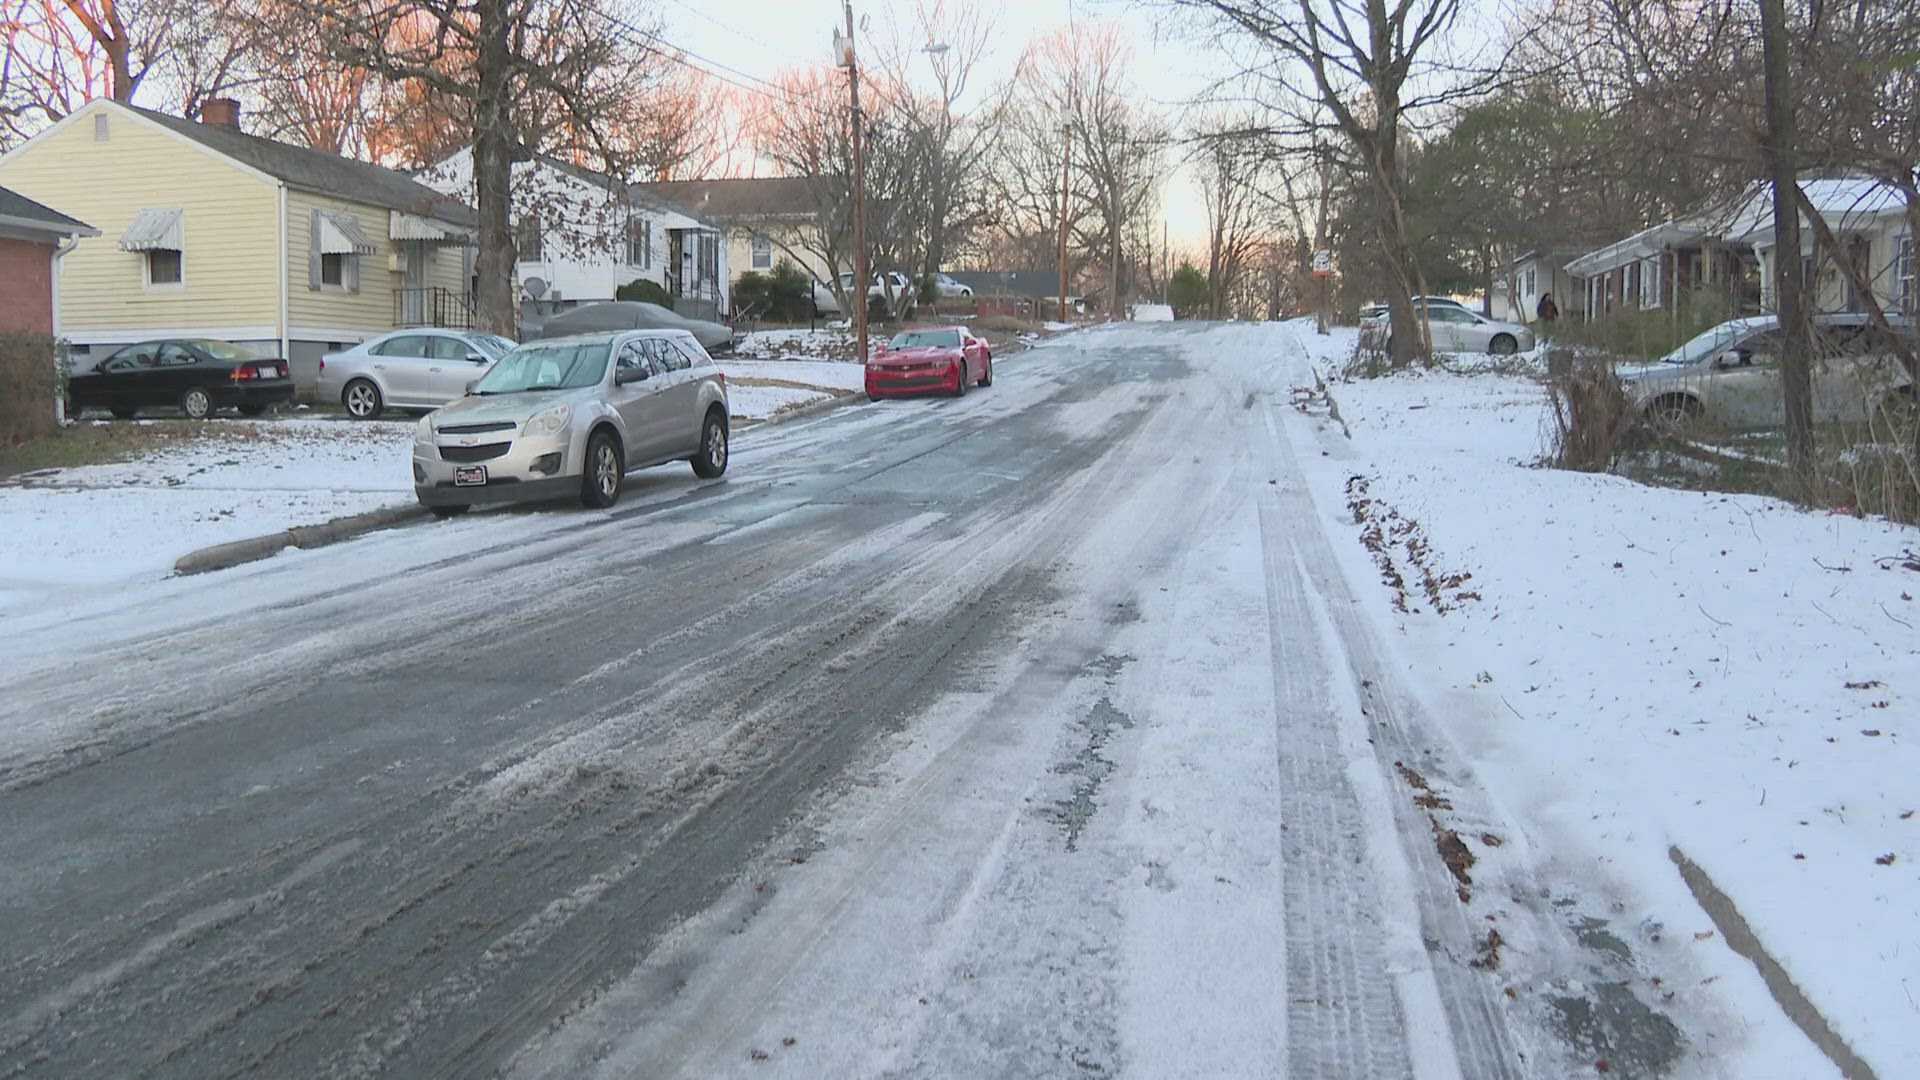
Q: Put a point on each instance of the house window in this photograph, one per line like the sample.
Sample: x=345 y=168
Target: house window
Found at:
x=333 y=270
x=762 y=252
x=1650 y=283
x=164 y=267
x=527 y=239
x=1531 y=282
x=1903 y=272
x=100 y=128
x=640 y=243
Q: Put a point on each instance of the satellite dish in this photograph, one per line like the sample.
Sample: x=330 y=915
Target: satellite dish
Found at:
x=535 y=287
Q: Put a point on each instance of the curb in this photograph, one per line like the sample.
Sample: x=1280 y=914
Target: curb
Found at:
x=253 y=549
x=1786 y=993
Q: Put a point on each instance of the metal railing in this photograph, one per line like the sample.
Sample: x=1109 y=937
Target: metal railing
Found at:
x=432 y=306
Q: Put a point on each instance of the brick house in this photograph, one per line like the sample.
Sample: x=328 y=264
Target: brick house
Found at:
x=32 y=240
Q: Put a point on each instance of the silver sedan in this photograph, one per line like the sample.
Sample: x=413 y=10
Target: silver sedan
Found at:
x=1455 y=329
x=407 y=369
x=572 y=416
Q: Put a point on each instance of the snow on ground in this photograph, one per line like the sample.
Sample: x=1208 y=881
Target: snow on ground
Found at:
x=1726 y=674
x=820 y=343
x=826 y=374
x=97 y=526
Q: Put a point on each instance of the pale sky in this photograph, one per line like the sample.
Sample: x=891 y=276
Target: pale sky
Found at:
x=763 y=37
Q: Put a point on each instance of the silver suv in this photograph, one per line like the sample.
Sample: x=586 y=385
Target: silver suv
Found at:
x=572 y=416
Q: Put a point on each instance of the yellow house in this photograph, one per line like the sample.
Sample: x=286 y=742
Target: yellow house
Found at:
x=207 y=231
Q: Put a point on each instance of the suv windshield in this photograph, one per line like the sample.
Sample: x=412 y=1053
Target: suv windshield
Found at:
x=1706 y=344
x=546 y=367
x=927 y=339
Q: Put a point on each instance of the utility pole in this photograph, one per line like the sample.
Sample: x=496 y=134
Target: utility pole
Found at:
x=860 y=275
x=1164 y=292
x=1066 y=170
x=1789 y=296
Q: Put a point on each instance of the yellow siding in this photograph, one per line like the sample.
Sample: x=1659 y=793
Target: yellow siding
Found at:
x=740 y=251
x=370 y=310
x=229 y=224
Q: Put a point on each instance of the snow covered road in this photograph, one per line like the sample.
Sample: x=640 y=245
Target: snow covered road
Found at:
x=1051 y=731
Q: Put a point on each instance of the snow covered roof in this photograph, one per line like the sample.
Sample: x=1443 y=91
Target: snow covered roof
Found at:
x=1848 y=204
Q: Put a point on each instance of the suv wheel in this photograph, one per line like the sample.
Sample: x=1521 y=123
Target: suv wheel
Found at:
x=605 y=472
x=711 y=461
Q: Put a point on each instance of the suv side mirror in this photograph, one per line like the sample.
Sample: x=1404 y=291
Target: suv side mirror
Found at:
x=630 y=375
x=476 y=358
x=471 y=383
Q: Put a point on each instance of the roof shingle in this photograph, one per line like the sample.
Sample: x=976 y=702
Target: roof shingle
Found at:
x=20 y=208
x=318 y=171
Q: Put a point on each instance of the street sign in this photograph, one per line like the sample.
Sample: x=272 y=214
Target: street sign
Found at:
x=1323 y=263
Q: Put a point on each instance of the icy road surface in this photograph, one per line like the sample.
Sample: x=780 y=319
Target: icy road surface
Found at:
x=1038 y=733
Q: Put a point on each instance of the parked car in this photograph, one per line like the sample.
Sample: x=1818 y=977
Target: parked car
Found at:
x=610 y=315
x=1730 y=374
x=1455 y=329
x=1380 y=311
x=948 y=289
x=194 y=375
x=407 y=369
x=906 y=297
x=946 y=359
x=570 y=417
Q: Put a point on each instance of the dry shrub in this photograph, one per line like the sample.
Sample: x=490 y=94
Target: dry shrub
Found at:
x=1592 y=416
x=29 y=383
x=1878 y=470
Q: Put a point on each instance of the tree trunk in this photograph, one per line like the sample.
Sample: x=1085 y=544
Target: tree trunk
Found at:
x=493 y=175
x=1796 y=337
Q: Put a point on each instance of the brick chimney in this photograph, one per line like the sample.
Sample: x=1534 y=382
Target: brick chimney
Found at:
x=220 y=112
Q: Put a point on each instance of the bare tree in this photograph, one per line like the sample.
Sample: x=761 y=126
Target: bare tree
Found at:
x=950 y=42
x=527 y=74
x=1229 y=175
x=1078 y=79
x=60 y=54
x=1369 y=67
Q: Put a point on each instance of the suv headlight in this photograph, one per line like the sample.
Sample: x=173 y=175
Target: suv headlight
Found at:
x=548 y=421
x=423 y=431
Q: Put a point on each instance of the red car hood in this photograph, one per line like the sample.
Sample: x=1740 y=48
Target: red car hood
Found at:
x=917 y=357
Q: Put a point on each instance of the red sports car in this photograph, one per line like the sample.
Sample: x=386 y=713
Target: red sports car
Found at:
x=945 y=359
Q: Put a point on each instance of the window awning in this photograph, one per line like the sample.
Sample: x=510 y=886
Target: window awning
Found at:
x=403 y=226
x=340 y=235
x=153 y=230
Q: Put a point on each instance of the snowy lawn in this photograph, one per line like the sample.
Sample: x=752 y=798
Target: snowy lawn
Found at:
x=760 y=389
x=1725 y=674
x=96 y=526
x=824 y=343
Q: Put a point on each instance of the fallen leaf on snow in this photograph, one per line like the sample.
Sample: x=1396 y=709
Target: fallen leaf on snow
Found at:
x=1885 y=860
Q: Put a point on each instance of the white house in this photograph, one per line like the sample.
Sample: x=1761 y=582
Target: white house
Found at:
x=1870 y=222
x=1536 y=274
x=1730 y=248
x=580 y=235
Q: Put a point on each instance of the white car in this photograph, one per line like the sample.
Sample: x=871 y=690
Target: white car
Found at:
x=949 y=289
x=1455 y=329
x=407 y=369
x=1731 y=375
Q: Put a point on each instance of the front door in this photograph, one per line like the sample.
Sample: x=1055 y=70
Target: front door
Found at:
x=643 y=401
x=676 y=262
x=413 y=304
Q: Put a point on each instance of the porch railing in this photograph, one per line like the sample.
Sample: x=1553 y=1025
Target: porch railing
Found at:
x=432 y=306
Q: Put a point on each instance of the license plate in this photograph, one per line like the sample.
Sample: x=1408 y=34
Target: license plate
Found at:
x=469 y=475
x=269 y=372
